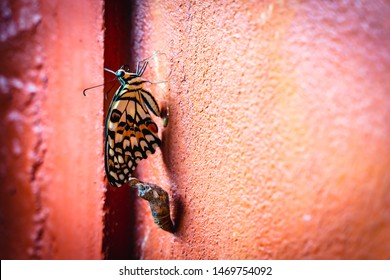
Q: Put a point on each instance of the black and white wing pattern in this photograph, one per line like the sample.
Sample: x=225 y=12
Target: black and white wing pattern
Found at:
x=130 y=133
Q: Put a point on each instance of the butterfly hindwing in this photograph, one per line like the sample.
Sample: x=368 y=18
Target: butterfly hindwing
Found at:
x=131 y=133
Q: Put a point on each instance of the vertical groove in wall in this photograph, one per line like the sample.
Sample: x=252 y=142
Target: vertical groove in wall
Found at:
x=119 y=239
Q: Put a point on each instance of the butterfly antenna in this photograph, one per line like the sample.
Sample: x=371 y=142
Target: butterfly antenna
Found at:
x=85 y=90
x=156 y=83
x=109 y=70
x=106 y=94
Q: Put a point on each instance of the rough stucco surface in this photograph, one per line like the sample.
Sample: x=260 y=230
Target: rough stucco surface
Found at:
x=278 y=141
x=51 y=175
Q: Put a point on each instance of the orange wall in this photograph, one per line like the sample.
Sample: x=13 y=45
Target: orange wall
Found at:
x=51 y=135
x=278 y=142
x=277 y=145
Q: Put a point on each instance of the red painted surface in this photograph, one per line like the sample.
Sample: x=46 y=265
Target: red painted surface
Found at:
x=277 y=145
x=278 y=141
x=119 y=238
x=51 y=145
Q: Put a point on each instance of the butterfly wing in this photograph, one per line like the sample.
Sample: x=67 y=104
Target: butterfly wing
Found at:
x=131 y=134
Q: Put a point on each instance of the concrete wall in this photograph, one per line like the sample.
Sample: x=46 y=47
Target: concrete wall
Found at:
x=51 y=135
x=277 y=145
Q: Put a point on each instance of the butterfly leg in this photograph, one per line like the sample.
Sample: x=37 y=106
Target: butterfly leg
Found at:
x=132 y=182
x=165 y=115
x=142 y=64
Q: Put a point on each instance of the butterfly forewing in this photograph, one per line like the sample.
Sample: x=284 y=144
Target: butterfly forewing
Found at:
x=131 y=134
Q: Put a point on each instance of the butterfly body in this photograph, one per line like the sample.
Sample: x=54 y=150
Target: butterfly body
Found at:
x=130 y=132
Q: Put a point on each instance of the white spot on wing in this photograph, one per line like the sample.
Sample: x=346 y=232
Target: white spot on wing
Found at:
x=126 y=143
x=114 y=175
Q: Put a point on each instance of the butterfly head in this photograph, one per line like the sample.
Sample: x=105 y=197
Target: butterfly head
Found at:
x=124 y=74
x=120 y=73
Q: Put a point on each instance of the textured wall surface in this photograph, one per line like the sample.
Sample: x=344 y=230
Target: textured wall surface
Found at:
x=278 y=142
x=51 y=171
x=277 y=145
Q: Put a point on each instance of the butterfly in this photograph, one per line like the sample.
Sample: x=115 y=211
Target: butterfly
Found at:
x=131 y=135
x=130 y=132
